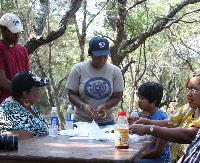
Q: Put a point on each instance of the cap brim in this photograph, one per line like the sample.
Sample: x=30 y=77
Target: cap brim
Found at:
x=101 y=52
x=16 y=29
x=41 y=83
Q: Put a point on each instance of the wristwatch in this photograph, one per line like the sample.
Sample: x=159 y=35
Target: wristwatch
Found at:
x=151 y=129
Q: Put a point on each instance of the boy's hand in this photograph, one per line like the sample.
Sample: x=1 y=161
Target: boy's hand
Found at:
x=132 y=119
x=145 y=114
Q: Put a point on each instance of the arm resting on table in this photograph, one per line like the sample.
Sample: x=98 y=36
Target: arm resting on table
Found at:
x=177 y=135
x=22 y=134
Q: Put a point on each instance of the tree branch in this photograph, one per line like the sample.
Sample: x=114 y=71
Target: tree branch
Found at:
x=35 y=42
x=131 y=45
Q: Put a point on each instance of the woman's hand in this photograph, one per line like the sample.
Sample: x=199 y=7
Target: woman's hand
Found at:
x=101 y=111
x=22 y=134
x=132 y=119
x=89 y=110
x=139 y=129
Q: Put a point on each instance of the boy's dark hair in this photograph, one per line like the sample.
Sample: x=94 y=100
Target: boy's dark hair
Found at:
x=152 y=91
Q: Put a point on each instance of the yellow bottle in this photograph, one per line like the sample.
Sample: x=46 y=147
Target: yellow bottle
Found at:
x=121 y=132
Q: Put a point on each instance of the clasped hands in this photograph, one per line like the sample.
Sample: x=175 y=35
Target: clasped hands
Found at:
x=138 y=125
x=99 y=112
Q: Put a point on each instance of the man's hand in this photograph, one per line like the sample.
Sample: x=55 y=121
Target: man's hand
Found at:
x=5 y=83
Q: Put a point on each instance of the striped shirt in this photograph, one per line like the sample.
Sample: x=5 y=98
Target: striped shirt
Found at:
x=192 y=154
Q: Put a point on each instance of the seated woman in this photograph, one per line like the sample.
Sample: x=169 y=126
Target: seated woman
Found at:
x=182 y=126
x=18 y=112
x=192 y=155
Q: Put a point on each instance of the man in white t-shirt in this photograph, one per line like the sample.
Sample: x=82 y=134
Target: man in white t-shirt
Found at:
x=95 y=86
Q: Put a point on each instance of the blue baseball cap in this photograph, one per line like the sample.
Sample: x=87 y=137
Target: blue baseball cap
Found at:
x=99 y=46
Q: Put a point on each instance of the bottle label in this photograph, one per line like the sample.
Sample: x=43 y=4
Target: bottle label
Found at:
x=121 y=137
x=53 y=121
x=69 y=117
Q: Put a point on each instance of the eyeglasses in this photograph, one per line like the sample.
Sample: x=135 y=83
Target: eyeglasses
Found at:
x=191 y=90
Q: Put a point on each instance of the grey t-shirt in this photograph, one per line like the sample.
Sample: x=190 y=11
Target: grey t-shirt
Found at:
x=95 y=86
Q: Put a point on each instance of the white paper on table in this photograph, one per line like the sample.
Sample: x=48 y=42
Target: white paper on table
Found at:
x=81 y=137
x=93 y=131
x=67 y=132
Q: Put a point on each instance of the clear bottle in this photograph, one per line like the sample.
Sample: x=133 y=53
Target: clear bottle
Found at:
x=69 y=118
x=121 y=132
x=53 y=123
x=134 y=112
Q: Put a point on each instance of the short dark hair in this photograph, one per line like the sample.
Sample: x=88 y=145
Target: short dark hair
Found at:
x=16 y=91
x=152 y=91
x=4 y=27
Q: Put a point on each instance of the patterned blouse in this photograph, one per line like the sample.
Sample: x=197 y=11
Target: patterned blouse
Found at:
x=15 y=117
x=182 y=118
x=193 y=152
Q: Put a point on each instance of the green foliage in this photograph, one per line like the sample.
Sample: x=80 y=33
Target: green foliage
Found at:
x=165 y=52
x=43 y=105
x=7 y=6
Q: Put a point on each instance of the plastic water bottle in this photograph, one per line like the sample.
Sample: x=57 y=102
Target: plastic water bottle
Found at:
x=69 y=118
x=121 y=132
x=134 y=112
x=53 y=123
